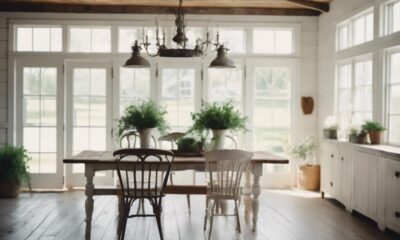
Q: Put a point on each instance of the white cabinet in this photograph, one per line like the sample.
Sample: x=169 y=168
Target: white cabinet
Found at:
x=365 y=184
x=329 y=169
x=346 y=159
x=392 y=196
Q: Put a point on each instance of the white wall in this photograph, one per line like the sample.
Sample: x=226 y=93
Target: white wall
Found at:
x=3 y=79
x=327 y=57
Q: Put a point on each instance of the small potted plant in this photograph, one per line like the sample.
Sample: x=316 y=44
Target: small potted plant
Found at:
x=308 y=174
x=143 y=117
x=375 y=131
x=189 y=145
x=331 y=128
x=13 y=170
x=354 y=132
x=219 y=118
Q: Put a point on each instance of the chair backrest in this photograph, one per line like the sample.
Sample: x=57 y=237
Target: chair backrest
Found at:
x=143 y=172
x=225 y=169
x=233 y=142
x=130 y=138
x=171 y=137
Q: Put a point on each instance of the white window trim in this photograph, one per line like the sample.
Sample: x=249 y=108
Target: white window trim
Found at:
x=386 y=19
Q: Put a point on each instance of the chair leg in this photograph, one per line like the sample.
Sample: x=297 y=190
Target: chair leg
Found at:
x=171 y=181
x=237 y=216
x=158 y=219
x=124 y=220
x=188 y=202
x=206 y=214
x=211 y=221
x=120 y=212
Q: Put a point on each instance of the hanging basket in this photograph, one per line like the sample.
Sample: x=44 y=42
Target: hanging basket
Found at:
x=308 y=177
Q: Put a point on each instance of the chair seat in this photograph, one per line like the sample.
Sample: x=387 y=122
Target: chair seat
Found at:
x=222 y=193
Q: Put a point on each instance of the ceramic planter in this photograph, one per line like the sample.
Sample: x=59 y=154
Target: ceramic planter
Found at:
x=145 y=137
x=219 y=138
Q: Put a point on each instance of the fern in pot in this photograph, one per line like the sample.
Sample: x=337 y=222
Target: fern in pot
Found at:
x=144 y=117
x=219 y=118
x=308 y=174
x=375 y=131
x=13 y=170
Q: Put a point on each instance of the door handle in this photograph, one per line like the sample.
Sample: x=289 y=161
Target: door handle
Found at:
x=332 y=155
x=342 y=158
x=397 y=174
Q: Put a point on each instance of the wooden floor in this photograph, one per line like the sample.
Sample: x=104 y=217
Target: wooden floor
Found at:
x=284 y=214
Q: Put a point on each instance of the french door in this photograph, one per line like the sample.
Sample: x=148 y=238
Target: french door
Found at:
x=39 y=125
x=88 y=115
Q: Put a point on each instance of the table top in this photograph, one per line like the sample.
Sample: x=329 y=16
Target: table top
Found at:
x=106 y=157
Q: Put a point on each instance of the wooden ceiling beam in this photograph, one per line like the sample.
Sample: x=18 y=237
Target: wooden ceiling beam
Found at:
x=84 y=8
x=318 y=6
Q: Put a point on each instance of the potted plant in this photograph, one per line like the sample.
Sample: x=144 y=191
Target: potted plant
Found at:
x=354 y=132
x=189 y=145
x=331 y=127
x=13 y=170
x=375 y=131
x=143 y=117
x=219 y=118
x=308 y=173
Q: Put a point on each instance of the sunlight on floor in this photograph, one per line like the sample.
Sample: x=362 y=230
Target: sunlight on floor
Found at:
x=296 y=192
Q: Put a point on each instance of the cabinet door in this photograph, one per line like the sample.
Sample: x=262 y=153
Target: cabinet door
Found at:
x=392 y=194
x=346 y=176
x=328 y=168
x=365 y=184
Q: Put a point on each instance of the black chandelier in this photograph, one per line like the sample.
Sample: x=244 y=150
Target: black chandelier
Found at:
x=200 y=49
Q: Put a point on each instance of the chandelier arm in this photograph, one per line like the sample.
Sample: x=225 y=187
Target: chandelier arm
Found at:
x=151 y=55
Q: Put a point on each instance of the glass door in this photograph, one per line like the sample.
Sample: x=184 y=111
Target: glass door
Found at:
x=39 y=120
x=89 y=116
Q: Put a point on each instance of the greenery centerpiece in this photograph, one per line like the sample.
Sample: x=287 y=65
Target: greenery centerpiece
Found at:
x=13 y=170
x=308 y=174
x=190 y=144
x=375 y=131
x=219 y=118
x=143 y=117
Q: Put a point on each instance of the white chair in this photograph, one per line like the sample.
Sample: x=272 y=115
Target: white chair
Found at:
x=224 y=169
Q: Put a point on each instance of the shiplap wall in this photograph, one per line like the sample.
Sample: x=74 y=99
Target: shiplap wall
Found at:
x=3 y=79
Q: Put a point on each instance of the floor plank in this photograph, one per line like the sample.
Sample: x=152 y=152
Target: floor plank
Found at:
x=284 y=214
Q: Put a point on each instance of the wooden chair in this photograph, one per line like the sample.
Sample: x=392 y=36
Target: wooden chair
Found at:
x=143 y=175
x=172 y=138
x=224 y=169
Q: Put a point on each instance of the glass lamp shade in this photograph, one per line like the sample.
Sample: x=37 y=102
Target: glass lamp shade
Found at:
x=222 y=61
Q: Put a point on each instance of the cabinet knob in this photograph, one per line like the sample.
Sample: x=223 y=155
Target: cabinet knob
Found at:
x=331 y=183
x=397 y=174
x=397 y=214
x=342 y=158
x=332 y=155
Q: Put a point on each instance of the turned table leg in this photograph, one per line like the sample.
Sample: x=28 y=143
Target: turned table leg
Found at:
x=89 y=191
x=247 y=191
x=256 y=190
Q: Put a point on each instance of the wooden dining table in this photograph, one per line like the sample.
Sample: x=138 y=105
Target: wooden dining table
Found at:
x=103 y=160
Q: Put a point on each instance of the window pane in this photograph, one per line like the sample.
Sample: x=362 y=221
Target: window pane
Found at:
x=193 y=33
x=395 y=68
x=134 y=85
x=81 y=82
x=80 y=40
x=41 y=39
x=98 y=82
x=48 y=111
x=56 y=40
x=345 y=76
x=98 y=111
x=225 y=85
x=395 y=99
x=48 y=143
x=233 y=39
x=396 y=17
x=31 y=139
x=284 y=41
x=343 y=37
x=263 y=41
x=101 y=40
x=49 y=81
x=31 y=81
x=24 y=39
x=81 y=111
x=178 y=96
x=394 y=129
x=369 y=27
x=359 y=30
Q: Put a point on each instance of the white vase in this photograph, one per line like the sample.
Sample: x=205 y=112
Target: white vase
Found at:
x=218 y=138
x=145 y=137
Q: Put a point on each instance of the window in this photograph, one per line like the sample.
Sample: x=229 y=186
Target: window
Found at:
x=90 y=39
x=354 y=91
x=273 y=41
x=356 y=30
x=271 y=108
x=226 y=85
x=394 y=97
x=177 y=94
x=232 y=38
x=40 y=118
x=134 y=85
x=38 y=39
x=391 y=17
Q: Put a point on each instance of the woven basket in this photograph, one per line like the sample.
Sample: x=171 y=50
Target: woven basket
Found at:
x=308 y=177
